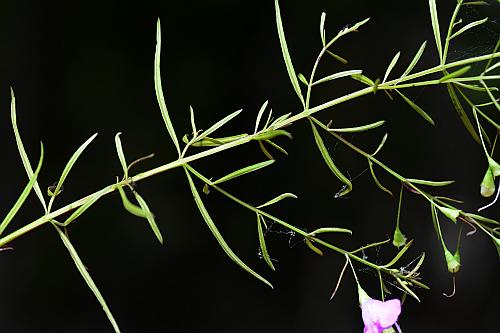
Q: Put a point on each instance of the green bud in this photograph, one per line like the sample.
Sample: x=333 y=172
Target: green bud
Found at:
x=452 y=261
x=494 y=166
x=488 y=184
x=399 y=239
x=450 y=213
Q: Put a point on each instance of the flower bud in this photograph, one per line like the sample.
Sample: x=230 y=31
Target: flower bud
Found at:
x=488 y=184
x=399 y=239
x=453 y=261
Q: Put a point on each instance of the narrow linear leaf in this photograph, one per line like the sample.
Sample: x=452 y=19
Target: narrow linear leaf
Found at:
x=262 y=242
x=86 y=276
x=149 y=216
x=430 y=182
x=159 y=90
x=435 y=27
x=414 y=62
x=286 y=54
x=399 y=255
x=416 y=108
x=92 y=200
x=403 y=285
x=381 y=144
x=461 y=113
x=329 y=230
x=121 y=155
x=312 y=247
x=322 y=28
x=338 y=75
x=375 y=179
x=243 y=171
x=482 y=218
x=271 y=134
x=265 y=151
x=354 y=27
x=279 y=120
x=457 y=73
x=329 y=161
x=193 y=124
x=24 y=194
x=302 y=79
x=493 y=99
x=363 y=79
x=259 y=115
x=217 y=125
x=212 y=142
x=211 y=225
x=473 y=86
x=391 y=66
x=277 y=199
x=468 y=26
x=277 y=147
x=417 y=266
x=129 y=206
x=22 y=151
x=337 y=57
x=476 y=3
x=488 y=69
x=358 y=128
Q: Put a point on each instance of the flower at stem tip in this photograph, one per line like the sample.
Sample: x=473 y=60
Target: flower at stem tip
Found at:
x=378 y=316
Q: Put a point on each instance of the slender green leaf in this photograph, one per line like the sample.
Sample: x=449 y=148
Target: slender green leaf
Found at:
x=217 y=125
x=279 y=120
x=403 y=285
x=430 y=182
x=130 y=207
x=271 y=134
x=338 y=75
x=286 y=54
x=277 y=199
x=243 y=171
x=354 y=27
x=473 y=86
x=312 y=247
x=277 y=147
x=149 y=216
x=399 y=255
x=121 y=155
x=489 y=69
x=461 y=113
x=91 y=200
x=22 y=152
x=24 y=194
x=476 y=3
x=435 y=27
x=302 y=79
x=329 y=161
x=337 y=57
x=375 y=179
x=381 y=144
x=328 y=230
x=416 y=108
x=193 y=124
x=363 y=79
x=493 y=99
x=391 y=66
x=415 y=269
x=468 y=26
x=358 y=128
x=482 y=218
x=415 y=60
x=86 y=276
x=211 y=225
x=262 y=242
x=159 y=90
x=212 y=142
x=322 y=28
x=259 y=116
x=265 y=151
x=457 y=73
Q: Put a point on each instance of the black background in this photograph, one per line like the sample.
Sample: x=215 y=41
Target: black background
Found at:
x=84 y=67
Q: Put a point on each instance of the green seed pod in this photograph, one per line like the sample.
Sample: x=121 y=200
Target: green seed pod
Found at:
x=452 y=261
x=399 y=239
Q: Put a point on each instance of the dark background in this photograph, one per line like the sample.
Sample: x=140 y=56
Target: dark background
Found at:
x=84 y=67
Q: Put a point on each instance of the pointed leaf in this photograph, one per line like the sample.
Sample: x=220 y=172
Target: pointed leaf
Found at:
x=461 y=113
x=435 y=27
x=416 y=108
x=286 y=54
x=328 y=230
x=329 y=161
x=337 y=57
x=302 y=79
x=22 y=152
x=149 y=216
x=399 y=255
x=259 y=116
x=277 y=199
x=93 y=199
x=217 y=125
x=358 y=128
x=88 y=279
x=277 y=147
x=159 y=90
x=193 y=124
x=129 y=206
x=216 y=233
x=338 y=75
x=322 y=28
x=363 y=79
x=312 y=247
x=243 y=171
x=430 y=182
x=468 y=26
x=381 y=144
x=24 y=194
x=121 y=155
x=391 y=66
x=415 y=60
x=262 y=242
x=375 y=179
x=457 y=73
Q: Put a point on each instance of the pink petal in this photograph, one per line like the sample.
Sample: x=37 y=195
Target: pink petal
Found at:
x=381 y=314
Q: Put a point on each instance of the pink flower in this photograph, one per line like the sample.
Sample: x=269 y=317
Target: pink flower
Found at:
x=378 y=315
